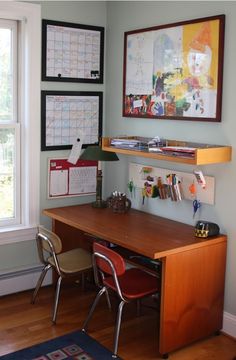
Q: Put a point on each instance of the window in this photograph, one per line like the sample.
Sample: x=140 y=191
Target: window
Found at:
x=20 y=28
x=9 y=134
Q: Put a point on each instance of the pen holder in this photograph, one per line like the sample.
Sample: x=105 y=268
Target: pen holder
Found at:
x=119 y=203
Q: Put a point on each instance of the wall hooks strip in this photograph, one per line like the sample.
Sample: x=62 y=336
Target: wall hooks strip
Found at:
x=204 y=195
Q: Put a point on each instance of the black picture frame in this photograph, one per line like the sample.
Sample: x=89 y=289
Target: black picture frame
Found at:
x=72 y=52
x=175 y=71
x=65 y=113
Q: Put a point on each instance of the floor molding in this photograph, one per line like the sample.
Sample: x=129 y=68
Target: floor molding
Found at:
x=229 y=324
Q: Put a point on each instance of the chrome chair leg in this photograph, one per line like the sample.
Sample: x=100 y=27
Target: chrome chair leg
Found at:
x=57 y=294
x=99 y=294
x=40 y=281
x=117 y=330
x=108 y=299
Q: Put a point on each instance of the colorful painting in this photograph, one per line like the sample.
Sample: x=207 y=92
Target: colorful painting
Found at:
x=175 y=71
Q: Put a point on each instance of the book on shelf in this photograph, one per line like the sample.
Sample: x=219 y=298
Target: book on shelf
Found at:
x=179 y=150
x=136 y=144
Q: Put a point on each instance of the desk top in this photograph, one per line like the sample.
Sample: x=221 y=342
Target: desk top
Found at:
x=144 y=233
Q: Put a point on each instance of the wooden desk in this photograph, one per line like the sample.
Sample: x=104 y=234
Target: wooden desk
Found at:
x=193 y=270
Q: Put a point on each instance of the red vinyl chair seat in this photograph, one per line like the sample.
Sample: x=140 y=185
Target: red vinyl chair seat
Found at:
x=134 y=284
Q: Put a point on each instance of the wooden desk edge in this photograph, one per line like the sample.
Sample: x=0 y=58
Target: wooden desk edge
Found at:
x=156 y=255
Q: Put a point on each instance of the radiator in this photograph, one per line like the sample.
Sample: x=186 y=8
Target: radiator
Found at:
x=21 y=279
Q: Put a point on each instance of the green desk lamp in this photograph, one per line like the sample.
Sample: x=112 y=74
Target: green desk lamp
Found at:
x=95 y=152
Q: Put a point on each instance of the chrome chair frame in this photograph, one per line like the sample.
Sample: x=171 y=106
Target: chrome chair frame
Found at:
x=104 y=289
x=47 y=266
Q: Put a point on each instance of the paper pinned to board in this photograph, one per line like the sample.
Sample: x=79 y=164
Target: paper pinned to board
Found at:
x=58 y=182
x=76 y=148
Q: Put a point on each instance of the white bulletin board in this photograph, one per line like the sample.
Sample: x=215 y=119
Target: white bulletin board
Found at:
x=206 y=196
x=66 y=179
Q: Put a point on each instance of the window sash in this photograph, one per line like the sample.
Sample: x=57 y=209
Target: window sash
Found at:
x=12 y=26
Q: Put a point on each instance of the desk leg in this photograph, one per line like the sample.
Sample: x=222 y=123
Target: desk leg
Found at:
x=192 y=296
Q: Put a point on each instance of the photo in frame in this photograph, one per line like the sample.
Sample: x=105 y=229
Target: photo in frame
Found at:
x=72 y=52
x=175 y=71
x=67 y=116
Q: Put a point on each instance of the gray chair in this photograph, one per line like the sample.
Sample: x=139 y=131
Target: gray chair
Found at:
x=70 y=263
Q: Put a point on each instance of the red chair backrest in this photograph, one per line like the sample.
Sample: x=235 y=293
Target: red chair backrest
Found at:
x=117 y=260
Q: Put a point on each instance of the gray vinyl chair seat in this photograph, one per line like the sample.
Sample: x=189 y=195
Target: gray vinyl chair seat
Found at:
x=73 y=261
x=68 y=263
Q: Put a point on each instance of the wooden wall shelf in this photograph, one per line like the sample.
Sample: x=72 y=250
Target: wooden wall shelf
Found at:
x=204 y=153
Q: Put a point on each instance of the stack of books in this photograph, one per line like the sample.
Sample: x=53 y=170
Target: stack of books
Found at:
x=126 y=143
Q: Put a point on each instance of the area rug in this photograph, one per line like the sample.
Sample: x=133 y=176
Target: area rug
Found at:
x=77 y=345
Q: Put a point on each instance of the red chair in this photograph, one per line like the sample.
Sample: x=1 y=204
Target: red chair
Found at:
x=110 y=273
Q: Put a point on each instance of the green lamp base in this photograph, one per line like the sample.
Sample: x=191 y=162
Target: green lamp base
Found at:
x=99 y=204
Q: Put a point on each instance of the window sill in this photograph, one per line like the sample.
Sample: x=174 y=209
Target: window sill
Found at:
x=17 y=234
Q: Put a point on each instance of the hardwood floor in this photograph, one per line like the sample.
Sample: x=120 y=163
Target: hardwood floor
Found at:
x=23 y=325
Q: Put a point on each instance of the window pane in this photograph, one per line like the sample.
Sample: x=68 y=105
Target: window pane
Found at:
x=7 y=177
x=6 y=75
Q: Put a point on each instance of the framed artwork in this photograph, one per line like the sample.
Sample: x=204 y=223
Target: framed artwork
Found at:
x=72 y=52
x=175 y=71
x=69 y=115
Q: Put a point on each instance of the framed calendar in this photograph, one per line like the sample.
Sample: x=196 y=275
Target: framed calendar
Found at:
x=72 y=52
x=67 y=114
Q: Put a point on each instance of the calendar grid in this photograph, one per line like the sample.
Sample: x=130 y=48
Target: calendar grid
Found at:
x=65 y=116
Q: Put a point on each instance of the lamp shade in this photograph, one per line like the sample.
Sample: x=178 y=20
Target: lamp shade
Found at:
x=96 y=153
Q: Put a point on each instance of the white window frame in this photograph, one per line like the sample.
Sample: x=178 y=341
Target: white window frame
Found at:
x=29 y=18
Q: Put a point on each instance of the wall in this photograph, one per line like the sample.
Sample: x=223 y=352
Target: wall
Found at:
x=22 y=255
x=129 y=15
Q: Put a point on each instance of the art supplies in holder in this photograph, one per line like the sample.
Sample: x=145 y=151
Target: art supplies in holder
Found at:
x=174 y=187
x=162 y=188
x=154 y=186
x=119 y=202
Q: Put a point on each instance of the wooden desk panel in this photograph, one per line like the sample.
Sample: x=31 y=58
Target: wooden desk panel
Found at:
x=192 y=296
x=193 y=269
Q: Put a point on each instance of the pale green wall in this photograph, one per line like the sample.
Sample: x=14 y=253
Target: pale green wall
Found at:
x=82 y=12
x=125 y=16
x=117 y=17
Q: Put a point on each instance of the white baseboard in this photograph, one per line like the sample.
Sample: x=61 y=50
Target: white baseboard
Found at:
x=229 y=324
x=22 y=279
